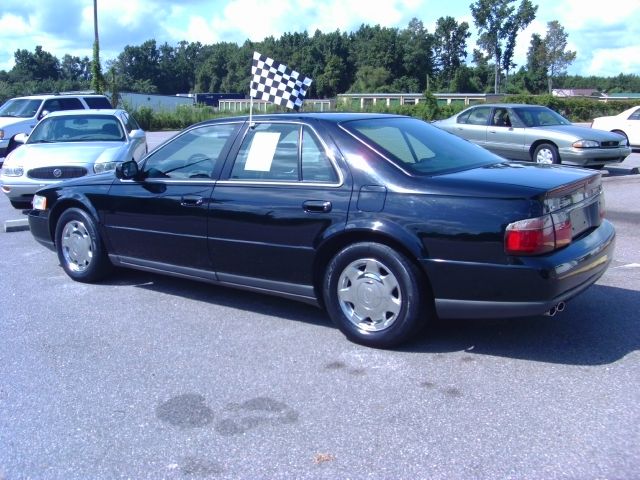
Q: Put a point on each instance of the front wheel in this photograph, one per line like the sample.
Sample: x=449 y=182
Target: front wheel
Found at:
x=546 y=153
x=80 y=248
x=374 y=295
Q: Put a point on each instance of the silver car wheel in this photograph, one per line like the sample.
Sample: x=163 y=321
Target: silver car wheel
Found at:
x=545 y=156
x=77 y=247
x=369 y=295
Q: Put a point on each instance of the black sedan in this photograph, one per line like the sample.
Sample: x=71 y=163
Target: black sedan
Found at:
x=383 y=220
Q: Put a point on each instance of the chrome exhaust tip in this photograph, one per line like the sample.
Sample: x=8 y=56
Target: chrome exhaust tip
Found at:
x=556 y=309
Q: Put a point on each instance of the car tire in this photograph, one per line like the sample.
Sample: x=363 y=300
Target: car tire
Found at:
x=80 y=249
x=374 y=295
x=11 y=146
x=546 y=153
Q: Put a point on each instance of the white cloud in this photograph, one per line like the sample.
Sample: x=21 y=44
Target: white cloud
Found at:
x=604 y=37
x=610 y=62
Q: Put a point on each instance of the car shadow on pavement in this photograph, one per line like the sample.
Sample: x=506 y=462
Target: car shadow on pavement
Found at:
x=601 y=326
x=221 y=295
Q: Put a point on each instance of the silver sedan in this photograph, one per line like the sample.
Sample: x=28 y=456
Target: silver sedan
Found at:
x=68 y=144
x=536 y=133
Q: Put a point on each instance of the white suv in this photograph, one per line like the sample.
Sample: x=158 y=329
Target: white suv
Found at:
x=20 y=114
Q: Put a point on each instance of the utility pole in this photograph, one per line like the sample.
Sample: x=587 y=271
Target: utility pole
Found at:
x=97 y=81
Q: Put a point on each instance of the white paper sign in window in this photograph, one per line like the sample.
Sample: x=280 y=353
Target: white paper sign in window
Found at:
x=262 y=151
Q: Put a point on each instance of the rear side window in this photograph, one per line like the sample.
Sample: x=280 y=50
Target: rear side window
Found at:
x=97 y=102
x=418 y=147
x=283 y=152
x=477 y=116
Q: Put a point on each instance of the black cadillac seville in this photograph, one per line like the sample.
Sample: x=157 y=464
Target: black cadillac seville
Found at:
x=383 y=220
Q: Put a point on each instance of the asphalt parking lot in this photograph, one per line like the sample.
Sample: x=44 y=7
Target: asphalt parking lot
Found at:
x=144 y=376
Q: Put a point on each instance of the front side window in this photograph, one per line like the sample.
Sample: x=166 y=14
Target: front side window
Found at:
x=540 y=117
x=131 y=123
x=57 y=104
x=20 y=108
x=195 y=154
x=418 y=147
x=635 y=115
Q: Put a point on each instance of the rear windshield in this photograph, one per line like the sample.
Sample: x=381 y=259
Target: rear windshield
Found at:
x=418 y=147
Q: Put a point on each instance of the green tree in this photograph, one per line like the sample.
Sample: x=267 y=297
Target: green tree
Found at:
x=329 y=81
x=450 y=47
x=558 y=57
x=417 y=56
x=39 y=65
x=498 y=25
x=370 y=79
x=535 y=80
x=75 y=68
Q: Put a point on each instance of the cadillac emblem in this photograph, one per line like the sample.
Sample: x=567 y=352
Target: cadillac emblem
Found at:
x=57 y=172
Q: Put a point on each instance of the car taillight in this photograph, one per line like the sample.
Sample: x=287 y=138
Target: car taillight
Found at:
x=601 y=207
x=534 y=236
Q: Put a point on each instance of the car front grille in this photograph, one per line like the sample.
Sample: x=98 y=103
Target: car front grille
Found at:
x=609 y=144
x=56 y=173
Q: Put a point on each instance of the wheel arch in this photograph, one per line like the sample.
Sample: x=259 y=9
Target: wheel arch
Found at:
x=539 y=142
x=621 y=132
x=412 y=250
x=65 y=204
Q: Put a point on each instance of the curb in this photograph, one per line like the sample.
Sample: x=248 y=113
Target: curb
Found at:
x=19 y=225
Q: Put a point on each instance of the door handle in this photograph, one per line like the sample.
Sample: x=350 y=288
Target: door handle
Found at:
x=191 y=200
x=317 y=206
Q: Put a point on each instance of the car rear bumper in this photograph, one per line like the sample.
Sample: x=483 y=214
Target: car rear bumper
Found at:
x=529 y=286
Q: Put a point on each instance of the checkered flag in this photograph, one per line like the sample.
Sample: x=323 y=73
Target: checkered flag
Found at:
x=276 y=83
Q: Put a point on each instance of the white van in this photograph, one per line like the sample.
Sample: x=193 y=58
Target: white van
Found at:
x=20 y=114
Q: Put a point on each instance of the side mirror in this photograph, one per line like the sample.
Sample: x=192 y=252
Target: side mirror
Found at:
x=43 y=114
x=127 y=170
x=137 y=134
x=21 y=138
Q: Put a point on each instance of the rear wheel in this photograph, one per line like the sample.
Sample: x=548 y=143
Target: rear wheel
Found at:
x=80 y=248
x=546 y=153
x=374 y=295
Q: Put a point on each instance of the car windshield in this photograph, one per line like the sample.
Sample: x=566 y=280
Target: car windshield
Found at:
x=21 y=107
x=418 y=147
x=77 y=128
x=540 y=117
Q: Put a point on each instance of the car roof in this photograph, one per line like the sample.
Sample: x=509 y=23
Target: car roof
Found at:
x=47 y=96
x=511 y=105
x=94 y=111
x=331 y=117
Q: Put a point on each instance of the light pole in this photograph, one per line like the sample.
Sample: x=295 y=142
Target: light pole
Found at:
x=97 y=82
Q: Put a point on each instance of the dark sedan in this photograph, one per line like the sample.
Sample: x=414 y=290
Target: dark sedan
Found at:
x=385 y=221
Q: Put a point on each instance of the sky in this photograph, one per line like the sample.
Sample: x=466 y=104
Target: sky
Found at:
x=606 y=39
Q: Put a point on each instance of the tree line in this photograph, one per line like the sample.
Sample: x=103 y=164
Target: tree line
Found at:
x=369 y=59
